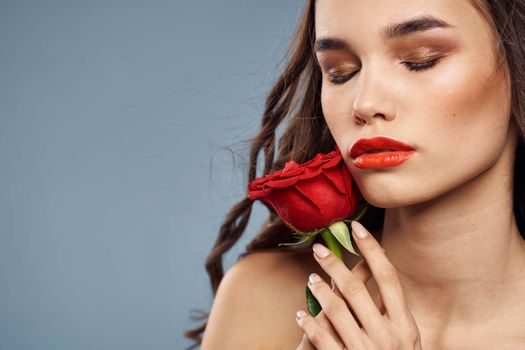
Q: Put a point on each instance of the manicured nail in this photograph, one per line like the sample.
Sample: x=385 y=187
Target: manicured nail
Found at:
x=299 y=316
x=320 y=250
x=359 y=230
x=314 y=278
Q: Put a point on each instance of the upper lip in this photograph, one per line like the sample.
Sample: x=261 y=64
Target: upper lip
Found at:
x=376 y=143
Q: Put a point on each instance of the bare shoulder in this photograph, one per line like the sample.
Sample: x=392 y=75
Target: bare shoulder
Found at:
x=256 y=302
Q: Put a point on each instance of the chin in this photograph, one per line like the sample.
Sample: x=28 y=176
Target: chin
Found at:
x=392 y=194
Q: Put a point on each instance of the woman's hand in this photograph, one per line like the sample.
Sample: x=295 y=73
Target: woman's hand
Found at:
x=389 y=325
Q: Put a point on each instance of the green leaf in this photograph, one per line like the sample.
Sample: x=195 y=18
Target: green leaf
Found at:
x=341 y=233
x=311 y=302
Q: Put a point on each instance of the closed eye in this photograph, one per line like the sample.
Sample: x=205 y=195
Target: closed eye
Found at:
x=341 y=79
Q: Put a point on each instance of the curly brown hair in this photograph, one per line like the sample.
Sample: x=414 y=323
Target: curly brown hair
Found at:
x=295 y=98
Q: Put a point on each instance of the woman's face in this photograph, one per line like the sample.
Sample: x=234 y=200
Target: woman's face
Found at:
x=432 y=86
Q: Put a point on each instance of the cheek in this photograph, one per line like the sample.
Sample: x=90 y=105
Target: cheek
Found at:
x=469 y=111
x=337 y=113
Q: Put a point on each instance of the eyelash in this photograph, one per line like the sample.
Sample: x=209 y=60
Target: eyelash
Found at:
x=411 y=66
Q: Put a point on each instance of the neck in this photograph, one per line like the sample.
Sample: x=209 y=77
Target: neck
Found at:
x=460 y=257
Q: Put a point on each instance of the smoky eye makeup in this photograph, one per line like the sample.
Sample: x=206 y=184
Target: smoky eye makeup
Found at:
x=418 y=45
x=416 y=53
x=338 y=63
x=342 y=69
x=423 y=54
x=425 y=46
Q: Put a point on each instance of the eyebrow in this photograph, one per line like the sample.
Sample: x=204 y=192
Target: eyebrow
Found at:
x=391 y=31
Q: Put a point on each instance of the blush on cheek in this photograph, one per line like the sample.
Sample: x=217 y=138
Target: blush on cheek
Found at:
x=336 y=114
x=464 y=94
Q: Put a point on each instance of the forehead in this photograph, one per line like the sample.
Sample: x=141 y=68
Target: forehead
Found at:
x=358 y=17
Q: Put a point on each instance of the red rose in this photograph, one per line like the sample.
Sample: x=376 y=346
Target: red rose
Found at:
x=311 y=195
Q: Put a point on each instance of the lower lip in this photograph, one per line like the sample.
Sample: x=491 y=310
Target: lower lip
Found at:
x=382 y=159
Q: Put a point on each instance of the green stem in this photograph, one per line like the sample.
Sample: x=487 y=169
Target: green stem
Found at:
x=332 y=243
x=361 y=213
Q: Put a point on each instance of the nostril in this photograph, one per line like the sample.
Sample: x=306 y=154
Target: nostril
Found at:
x=359 y=120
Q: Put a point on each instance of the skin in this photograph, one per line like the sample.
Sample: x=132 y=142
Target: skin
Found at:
x=449 y=230
x=385 y=325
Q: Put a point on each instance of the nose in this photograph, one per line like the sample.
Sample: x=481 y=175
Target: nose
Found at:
x=373 y=99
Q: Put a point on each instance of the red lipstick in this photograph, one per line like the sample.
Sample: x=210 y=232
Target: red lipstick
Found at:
x=379 y=152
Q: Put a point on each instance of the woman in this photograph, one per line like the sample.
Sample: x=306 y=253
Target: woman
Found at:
x=445 y=77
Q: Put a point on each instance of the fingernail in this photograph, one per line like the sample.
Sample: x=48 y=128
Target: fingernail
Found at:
x=299 y=316
x=359 y=230
x=314 y=278
x=320 y=250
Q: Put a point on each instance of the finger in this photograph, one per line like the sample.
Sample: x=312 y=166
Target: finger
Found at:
x=363 y=272
x=337 y=312
x=353 y=290
x=305 y=344
x=324 y=322
x=340 y=295
x=384 y=273
x=317 y=335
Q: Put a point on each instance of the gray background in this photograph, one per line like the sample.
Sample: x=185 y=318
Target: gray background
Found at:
x=122 y=129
